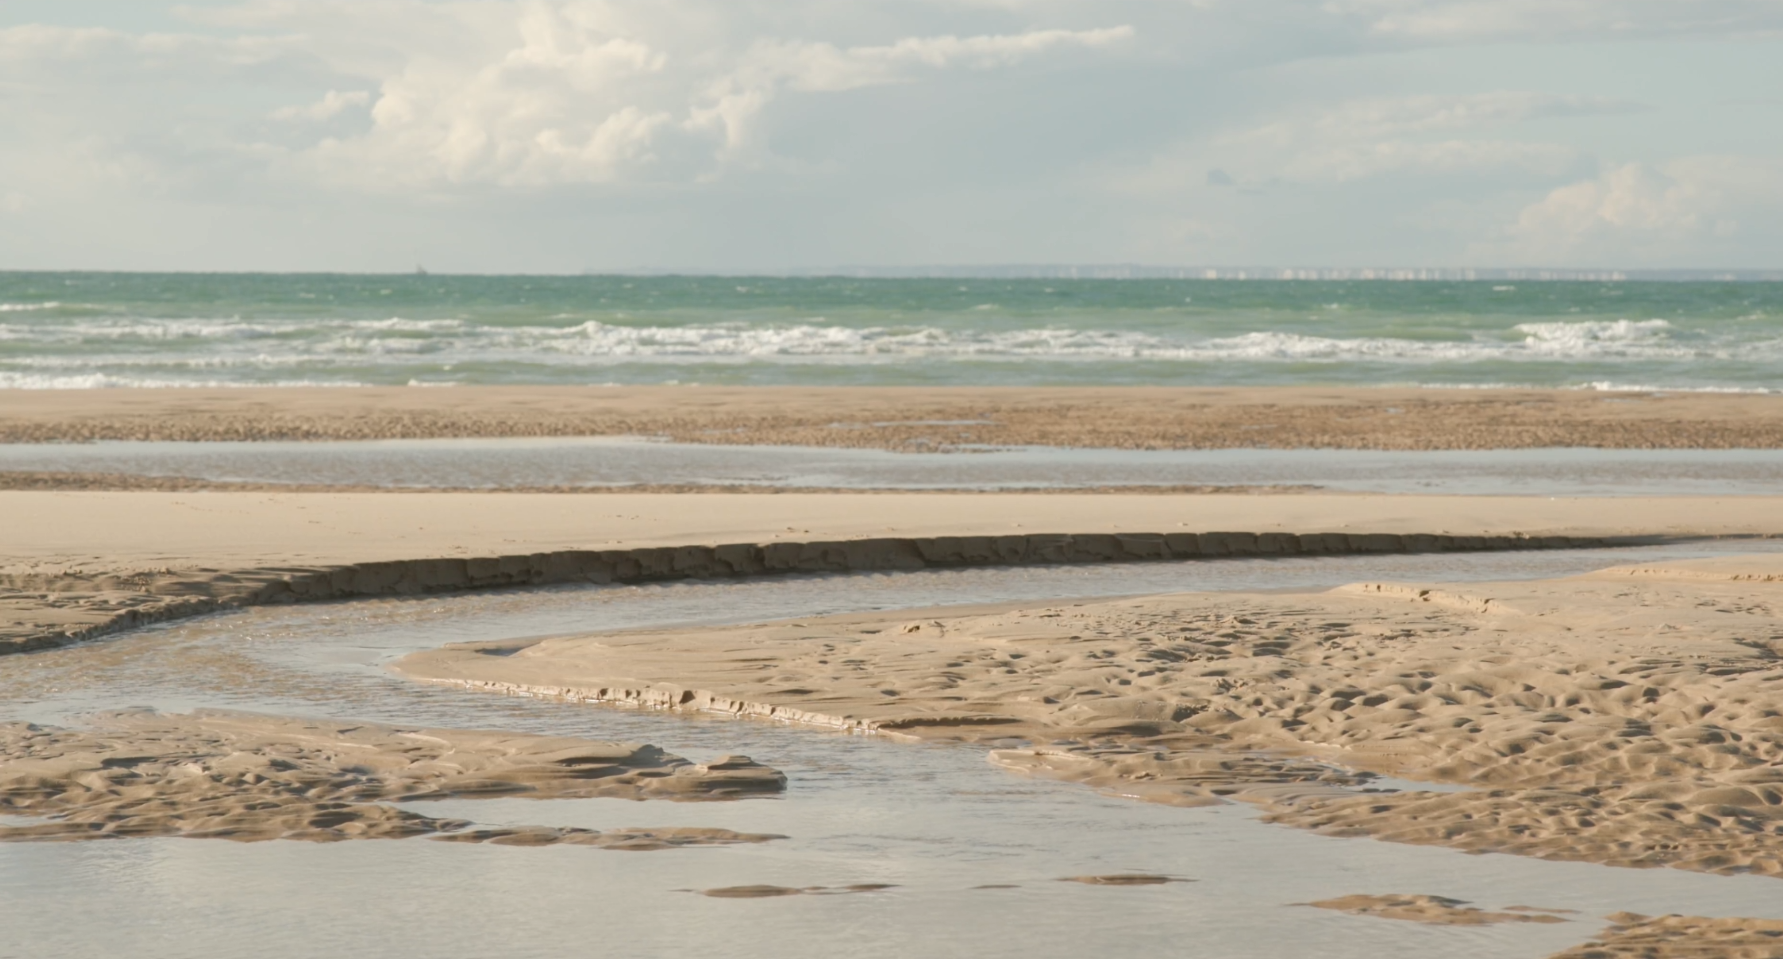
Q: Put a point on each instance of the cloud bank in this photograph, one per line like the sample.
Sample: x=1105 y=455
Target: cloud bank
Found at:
x=560 y=134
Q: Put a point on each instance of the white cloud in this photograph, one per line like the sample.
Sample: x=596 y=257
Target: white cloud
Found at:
x=332 y=104
x=1638 y=212
x=1450 y=21
x=488 y=93
x=733 y=100
x=702 y=133
x=1376 y=136
x=33 y=52
x=579 y=95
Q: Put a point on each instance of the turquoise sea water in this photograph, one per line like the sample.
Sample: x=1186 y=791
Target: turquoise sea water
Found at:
x=92 y=330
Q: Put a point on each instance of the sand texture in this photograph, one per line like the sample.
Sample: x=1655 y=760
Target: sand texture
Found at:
x=79 y=565
x=246 y=777
x=1435 y=910
x=1683 y=937
x=917 y=417
x=1632 y=720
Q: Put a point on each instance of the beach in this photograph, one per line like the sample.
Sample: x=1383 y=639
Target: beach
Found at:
x=1617 y=716
x=812 y=480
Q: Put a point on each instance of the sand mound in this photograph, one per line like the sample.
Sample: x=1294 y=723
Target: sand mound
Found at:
x=1628 y=720
x=1683 y=937
x=1436 y=910
x=247 y=777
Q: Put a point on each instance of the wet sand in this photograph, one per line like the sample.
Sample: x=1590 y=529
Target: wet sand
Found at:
x=248 y=778
x=1629 y=717
x=907 y=418
x=1625 y=718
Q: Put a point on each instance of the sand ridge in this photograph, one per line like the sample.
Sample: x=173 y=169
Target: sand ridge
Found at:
x=1633 y=722
x=248 y=777
x=917 y=417
x=74 y=565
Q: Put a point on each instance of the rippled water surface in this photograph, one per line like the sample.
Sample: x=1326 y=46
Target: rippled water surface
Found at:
x=93 y=329
x=935 y=821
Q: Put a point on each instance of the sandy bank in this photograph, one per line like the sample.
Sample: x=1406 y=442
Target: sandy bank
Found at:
x=246 y=777
x=917 y=417
x=1617 y=719
x=74 y=565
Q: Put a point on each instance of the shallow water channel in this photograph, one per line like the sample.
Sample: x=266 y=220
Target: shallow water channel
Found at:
x=937 y=822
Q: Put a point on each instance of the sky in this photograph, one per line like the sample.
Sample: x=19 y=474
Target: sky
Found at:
x=556 y=136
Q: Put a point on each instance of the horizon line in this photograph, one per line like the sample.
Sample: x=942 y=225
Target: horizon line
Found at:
x=1050 y=271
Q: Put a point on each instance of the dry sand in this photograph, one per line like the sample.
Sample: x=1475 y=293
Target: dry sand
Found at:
x=917 y=417
x=246 y=777
x=1632 y=717
x=1634 y=936
x=75 y=565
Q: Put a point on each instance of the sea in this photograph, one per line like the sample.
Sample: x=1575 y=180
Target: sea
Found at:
x=88 y=330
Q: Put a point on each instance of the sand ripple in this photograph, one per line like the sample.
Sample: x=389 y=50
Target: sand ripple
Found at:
x=1621 y=719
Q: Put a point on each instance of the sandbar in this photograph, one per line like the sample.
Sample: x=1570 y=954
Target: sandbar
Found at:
x=78 y=564
x=1632 y=717
x=248 y=777
x=907 y=418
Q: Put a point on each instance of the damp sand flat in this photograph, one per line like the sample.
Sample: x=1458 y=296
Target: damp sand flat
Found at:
x=934 y=821
x=598 y=463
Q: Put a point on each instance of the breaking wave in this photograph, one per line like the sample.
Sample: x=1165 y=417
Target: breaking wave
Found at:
x=341 y=330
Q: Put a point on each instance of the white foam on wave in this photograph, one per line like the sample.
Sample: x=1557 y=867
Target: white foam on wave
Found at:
x=1601 y=386
x=1605 y=386
x=136 y=351
x=593 y=340
x=97 y=381
x=27 y=307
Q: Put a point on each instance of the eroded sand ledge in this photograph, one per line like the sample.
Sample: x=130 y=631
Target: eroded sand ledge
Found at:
x=917 y=417
x=1633 y=717
x=78 y=565
x=248 y=777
